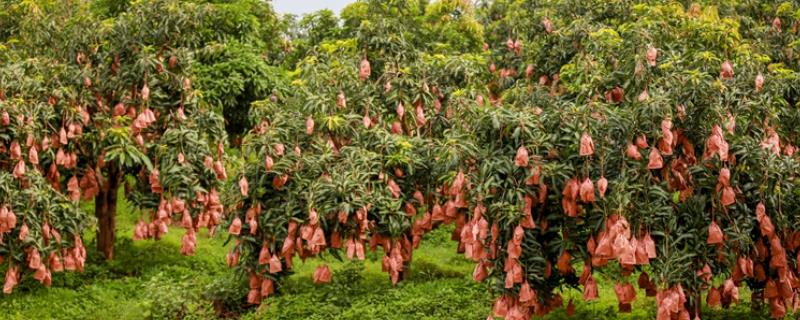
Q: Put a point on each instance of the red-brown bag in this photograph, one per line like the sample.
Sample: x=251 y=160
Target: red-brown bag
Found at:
x=322 y=274
x=655 y=160
x=714 y=234
x=587 y=145
x=521 y=159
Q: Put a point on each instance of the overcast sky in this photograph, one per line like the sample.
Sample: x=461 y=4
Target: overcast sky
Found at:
x=300 y=7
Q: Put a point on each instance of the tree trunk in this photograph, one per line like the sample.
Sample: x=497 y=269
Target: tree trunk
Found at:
x=406 y=273
x=756 y=300
x=105 y=209
x=695 y=306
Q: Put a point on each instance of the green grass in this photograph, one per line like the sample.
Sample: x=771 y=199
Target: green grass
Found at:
x=151 y=280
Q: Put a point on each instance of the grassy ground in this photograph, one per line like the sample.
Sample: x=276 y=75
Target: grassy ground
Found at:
x=151 y=280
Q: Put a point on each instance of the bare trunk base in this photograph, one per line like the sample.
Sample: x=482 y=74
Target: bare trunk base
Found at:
x=105 y=209
x=695 y=311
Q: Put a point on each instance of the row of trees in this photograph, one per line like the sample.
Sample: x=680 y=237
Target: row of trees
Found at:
x=650 y=141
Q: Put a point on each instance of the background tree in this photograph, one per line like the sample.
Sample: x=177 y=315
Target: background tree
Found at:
x=232 y=76
x=233 y=62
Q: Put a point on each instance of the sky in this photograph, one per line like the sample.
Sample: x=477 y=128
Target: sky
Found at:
x=300 y=7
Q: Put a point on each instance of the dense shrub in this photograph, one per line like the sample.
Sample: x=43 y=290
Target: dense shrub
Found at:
x=168 y=297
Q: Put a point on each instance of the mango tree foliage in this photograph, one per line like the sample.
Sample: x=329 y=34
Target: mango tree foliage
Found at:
x=351 y=161
x=82 y=111
x=233 y=44
x=233 y=61
x=231 y=76
x=662 y=136
x=41 y=230
x=652 y=142
x=304 y=33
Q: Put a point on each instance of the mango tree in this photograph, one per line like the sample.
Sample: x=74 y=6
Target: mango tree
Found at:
x=644 y=135
x=354 y=160
x=88 y=106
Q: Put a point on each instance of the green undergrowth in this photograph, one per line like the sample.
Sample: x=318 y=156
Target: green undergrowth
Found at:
x=151 y=280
